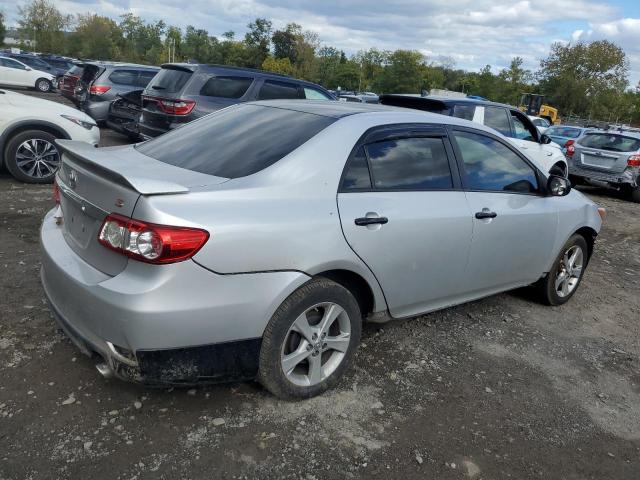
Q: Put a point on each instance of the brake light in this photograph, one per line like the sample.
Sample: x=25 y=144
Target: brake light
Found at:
x=99 y=89
x=571 y=149
x=149 y=242
x=633 y=161
x=56 y=191
x=173 y=107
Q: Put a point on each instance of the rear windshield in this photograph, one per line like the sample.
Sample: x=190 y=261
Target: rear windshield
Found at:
x=564 y=132
x=169 y=80
x=75 y=70
x=610 y=141
x=237 y=141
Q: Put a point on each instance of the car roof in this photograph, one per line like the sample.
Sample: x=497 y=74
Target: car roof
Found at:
x=328 y=108
x=120 y=65
x=413 y=101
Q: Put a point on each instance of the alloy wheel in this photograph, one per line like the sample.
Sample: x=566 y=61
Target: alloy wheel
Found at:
x=315 y=344
x=44 y=86
x=569 y=271
x=37 y=158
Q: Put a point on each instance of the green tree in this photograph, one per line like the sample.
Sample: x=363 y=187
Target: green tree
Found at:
x=3 y=29
x=41 y=22
x=278 y=65
x=96 y=37
x=196 y=45
x=284 y=44
x=513 y=81
x=258 y=41
x=404 y=73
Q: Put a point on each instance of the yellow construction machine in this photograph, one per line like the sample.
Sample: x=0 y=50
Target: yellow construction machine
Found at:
x=532 y=104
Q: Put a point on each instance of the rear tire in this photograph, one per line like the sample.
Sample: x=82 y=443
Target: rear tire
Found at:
x=32 y=156
x=567 y=271
x=634 y=194
x=43 y=85
x=310 y=340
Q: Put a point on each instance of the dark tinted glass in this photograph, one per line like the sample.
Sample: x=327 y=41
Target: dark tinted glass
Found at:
x=272 y=90
x=489 y=165
x=124 y=77
x=497 y=118
x=144 y=77
x=356 y=175
x=464 y=111
x=169 y=80
x=75 y=70
x=611 y=142
x=410 y=163
x=568 y=132
x=237 y=141
x=6 y=62
x=226 y=87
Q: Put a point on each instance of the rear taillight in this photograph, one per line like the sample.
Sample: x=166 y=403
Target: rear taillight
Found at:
x=173 y=107
x=99 y=89
x=571 y=149
x=56 y=191
x=149 y=242
x=633 y=161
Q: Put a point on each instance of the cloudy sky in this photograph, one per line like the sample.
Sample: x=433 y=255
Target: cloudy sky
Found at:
x=472 y=32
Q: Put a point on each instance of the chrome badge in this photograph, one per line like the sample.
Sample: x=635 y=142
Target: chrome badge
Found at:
x=73 y=179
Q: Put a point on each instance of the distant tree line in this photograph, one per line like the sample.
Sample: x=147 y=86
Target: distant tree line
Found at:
x=584 y=79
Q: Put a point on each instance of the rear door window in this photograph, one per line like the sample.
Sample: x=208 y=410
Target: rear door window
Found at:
x=124 y=77
x=498 y=119
x=610 y=142
x=226 y=87
x=273 y=90
x=169 y=80
x=237 y=141
x=356 y=175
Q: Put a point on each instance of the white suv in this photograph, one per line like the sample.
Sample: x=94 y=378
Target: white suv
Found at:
x=16 y=74
x=28 y=129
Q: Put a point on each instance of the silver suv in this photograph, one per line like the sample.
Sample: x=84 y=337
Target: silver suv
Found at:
x=612 y=158
x=251 y=243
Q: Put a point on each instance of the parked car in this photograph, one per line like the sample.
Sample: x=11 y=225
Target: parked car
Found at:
x=67 y=82
x=565 y=135
x=359 y=97
x=506 y=119
x=33 y=61
x=29 y=127
x=610 y=158
x=124 y=113
x=183 y=92
x=101 y=83
x=542 y=124
x=250 y=243
x=59 y=65
x=14 y=73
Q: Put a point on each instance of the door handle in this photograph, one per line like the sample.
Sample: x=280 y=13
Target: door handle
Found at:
x=485 y=213
x=363 y=221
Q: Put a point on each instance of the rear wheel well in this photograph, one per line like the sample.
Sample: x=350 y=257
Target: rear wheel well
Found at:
x=357 y=285
x=589 y=235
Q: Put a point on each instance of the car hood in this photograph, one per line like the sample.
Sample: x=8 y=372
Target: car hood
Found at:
x=39 y=105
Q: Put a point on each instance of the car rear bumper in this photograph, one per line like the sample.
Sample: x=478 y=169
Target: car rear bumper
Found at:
x=99 y=111
x=627 y=177
x=177 y=323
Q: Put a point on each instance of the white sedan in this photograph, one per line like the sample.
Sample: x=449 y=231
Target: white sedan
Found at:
x=28 y=129
x=16 y=74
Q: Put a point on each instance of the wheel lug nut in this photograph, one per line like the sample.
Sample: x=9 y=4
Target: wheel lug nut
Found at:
x=309 y=347
x=314 y=336
x=324 y=335
x=324 y=345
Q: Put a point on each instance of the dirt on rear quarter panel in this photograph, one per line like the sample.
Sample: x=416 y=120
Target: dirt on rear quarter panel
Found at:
x=499 y=388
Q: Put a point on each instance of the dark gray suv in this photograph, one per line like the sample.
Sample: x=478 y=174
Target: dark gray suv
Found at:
x=182 y=92
x=102 y=82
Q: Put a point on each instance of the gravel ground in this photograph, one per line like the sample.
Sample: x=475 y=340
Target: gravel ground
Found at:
x=499 y=388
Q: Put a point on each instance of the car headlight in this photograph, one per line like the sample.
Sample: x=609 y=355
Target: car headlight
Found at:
x=78 y=121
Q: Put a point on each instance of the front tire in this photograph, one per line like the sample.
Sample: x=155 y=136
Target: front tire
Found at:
x=310 y=340
x=43 y=85
x=567 y=271
x=32 y=156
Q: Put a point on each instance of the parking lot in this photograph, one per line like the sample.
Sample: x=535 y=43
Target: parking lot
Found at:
x=499 y=388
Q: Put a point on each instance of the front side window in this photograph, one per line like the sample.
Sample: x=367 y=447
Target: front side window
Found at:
x=497 y=118
x=313 y=94
x=6 y=62
x=226 y=87
x=489 y=165
x=273 y=90
x=419 y=163
x=522 y=131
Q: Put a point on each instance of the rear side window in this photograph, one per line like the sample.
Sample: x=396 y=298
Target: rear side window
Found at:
x=170 y=80
x=356 y=176
x=144 y=77
x=237 y=141
x=611 y=142
x=464 y=111
x=226 y=87
x=497 y=118
x=491 y=166
x=419 y=163
x=272 y=90
x=124 y=77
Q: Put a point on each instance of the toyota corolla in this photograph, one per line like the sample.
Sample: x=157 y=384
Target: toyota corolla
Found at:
x=252 y=243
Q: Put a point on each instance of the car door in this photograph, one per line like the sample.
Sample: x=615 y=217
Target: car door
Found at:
x=514 y=224
x=526 y=137
x=404 y=214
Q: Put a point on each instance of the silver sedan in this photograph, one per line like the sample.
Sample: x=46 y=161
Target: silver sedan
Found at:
x=252 y=243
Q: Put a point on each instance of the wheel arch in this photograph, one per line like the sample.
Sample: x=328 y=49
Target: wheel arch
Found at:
x=25 y=125
x=589 y=235
x=356 y=284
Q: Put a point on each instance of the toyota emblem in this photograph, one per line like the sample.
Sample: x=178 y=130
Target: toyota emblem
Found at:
x=73 y=179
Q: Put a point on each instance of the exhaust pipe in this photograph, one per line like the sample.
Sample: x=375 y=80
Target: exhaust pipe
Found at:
x=105 y=370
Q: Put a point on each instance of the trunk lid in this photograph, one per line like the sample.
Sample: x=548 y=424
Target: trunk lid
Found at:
x=95 y=182
x=605 y=152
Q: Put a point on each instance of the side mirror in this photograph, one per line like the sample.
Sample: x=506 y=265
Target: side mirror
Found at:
x=28 y=69
x=545 y=139
x=558 y=186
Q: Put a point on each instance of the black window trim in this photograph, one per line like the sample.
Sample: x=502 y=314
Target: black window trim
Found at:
x=542 y=180
x=382 y=133
x=514 y=112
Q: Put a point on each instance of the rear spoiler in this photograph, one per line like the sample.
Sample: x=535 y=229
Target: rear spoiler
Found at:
x=107 y=163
